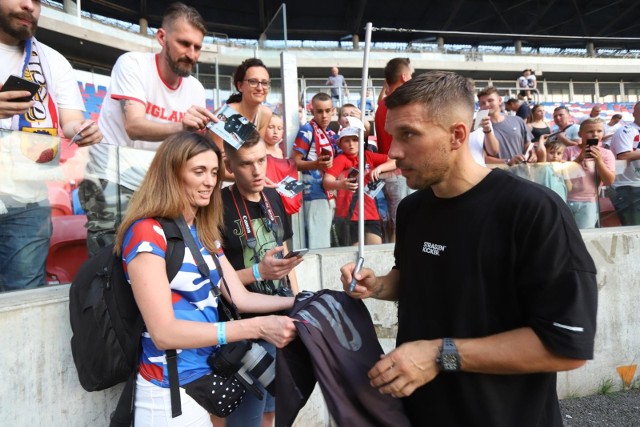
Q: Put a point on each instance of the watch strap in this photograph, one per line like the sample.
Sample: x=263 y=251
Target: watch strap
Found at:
x=449 y=359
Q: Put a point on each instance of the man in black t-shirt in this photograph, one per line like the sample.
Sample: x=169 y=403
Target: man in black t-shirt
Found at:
x=496 y=291
x=255 y=229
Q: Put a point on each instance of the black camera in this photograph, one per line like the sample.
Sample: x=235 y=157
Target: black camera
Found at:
x=247 y=361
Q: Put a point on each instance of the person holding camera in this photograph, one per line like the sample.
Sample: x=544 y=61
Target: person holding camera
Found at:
x=598 y=168
x=254 y=240
x=184 y=181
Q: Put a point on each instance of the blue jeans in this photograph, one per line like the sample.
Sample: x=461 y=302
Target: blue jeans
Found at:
x=585 y=213
x=24 y=244
x=249 y=413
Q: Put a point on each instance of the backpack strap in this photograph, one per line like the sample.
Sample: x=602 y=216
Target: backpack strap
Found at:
x=204 y=268
x=173 y=258
x=175 y=252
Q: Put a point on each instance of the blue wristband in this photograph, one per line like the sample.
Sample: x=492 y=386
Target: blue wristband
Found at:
x=222 y=333
x=256 y=272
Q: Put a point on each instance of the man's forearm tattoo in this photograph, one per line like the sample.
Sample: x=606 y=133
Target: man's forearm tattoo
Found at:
x=124 y=103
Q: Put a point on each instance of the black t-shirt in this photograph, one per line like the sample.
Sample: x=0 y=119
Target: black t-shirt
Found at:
x=234 y=242
x=503 y=255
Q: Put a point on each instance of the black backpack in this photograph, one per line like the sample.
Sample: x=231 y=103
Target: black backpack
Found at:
x=106 y=322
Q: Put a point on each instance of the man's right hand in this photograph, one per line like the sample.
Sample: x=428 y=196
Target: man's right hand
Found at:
x=197 y=117
x=367 y=283
x=273 y=268
x=10 y=108
x=486 y=124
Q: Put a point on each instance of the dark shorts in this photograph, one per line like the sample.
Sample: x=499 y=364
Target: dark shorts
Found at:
x=372 y=226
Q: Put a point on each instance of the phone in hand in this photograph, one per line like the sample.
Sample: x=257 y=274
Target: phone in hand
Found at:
x=326 y=153
x=353 y=174
x=14 y=83
x=592 y=141
x=296 y=253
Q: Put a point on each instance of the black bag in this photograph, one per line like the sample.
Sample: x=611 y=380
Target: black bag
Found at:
x=218 y=395
x=107 y=324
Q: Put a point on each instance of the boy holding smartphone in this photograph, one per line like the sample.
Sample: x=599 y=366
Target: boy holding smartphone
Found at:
x=343 y=176
x=313 y=152
x=598 y=165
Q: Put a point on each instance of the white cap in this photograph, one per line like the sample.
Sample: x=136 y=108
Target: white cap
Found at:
x=348 y=131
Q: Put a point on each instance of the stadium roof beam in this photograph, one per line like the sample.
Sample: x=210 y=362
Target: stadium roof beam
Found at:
x=356 y=23
x=452 y=14
x=536 y=23
x=613 y=22
x=581 y=20
x=498 y=12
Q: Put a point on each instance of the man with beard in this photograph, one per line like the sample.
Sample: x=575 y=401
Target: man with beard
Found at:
x=150 y=97
x=56 y=110
x=483 y=324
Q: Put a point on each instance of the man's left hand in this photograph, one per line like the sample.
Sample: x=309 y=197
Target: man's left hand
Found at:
x=406 y=368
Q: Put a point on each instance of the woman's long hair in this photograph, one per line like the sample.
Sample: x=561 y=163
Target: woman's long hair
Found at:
x=533 y=110
x=239 y=75
x=162 y=193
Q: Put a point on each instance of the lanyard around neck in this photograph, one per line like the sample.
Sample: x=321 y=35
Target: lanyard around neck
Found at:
x=245 y=218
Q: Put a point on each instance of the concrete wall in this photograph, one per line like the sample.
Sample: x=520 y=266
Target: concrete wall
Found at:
x=40 y=387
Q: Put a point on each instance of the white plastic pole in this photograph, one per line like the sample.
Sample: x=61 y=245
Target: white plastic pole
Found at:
x=363 y=103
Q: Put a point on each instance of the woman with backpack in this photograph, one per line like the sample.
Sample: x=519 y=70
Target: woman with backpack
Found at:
x=184 y=181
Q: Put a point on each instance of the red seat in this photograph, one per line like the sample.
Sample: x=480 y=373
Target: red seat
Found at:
x=67 y=248
x=60 y=200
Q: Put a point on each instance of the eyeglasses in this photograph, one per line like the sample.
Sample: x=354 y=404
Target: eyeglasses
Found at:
x=255 y=82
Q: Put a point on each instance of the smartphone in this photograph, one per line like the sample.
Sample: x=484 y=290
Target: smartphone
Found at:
x=326 y=153
x=592 y=141
x=479 y=116
x=353 y=173
x=297 y=252
x=18 y=83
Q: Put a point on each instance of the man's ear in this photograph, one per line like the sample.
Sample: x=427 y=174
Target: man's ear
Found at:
x=459 y=134
x=161 y=37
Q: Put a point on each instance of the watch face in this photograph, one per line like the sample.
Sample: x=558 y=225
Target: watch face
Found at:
x=449 y=361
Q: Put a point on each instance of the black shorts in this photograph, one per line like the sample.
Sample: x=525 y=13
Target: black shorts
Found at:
x=371 y=226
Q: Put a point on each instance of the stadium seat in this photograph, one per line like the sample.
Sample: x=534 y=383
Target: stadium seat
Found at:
x=59 y=199
x=67 y=248
x=90 y=88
